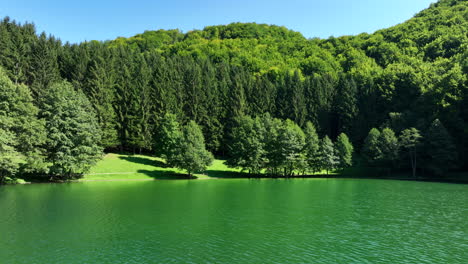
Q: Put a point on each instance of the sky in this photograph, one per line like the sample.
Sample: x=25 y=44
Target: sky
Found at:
x=80 y=20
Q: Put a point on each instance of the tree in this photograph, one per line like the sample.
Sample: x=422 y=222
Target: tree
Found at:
x=193 y=157
x=273 y=153
x=388 y=145
x=291 y=141
x=100 y=92
x=371 y=149
x=73 y=133
x=247 y=147
x=311 y=147
x=410 y=140
x=44 y=68
x=10 y=159
x=328 y=158
x=439 y=148
x=168 y=138
x=344 y=150
x=345 y=106
x=23 y=134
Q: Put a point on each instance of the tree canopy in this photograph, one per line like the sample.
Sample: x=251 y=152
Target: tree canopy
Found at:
x=401 y=77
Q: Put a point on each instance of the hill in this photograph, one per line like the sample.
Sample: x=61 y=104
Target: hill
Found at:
x=405 y=76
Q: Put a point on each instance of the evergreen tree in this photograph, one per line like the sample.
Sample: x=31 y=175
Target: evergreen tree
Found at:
x=10 y=158
x=273 y=151
x=23 y=133
x=410 y=140
x=344 y=151
x=312 y=147
x=439 y=149
x=140 y=127
x=371 y=149
x=168 y=138
x=328 y=158
x=345 y=107
x=247 y=148
x=100 y=92
x=193 y=157
x=291 y=142
x=44 y=65
x=73 y=133
x=297 y=103
x=389 y=147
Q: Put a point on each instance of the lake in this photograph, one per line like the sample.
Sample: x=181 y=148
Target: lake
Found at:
x=235 y=221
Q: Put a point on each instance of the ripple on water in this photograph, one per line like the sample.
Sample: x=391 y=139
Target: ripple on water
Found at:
x=235 y=221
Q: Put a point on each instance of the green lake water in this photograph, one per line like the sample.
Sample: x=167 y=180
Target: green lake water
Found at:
x=235 y=221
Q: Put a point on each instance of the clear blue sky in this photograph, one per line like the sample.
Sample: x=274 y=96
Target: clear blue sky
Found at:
x=80 y=20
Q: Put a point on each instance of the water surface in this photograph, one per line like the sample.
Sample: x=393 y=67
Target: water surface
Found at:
x=235 y=221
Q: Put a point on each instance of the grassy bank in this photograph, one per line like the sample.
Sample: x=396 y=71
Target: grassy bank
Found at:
x=121 y=167
x=141 y=167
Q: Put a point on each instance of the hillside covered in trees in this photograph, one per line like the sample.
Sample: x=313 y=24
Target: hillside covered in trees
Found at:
x=61 y=104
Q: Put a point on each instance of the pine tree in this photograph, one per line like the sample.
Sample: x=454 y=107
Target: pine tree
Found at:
x=345 y=107
x=298 y=104
x=273 y=155
x=44 y=68
x=439 y=148
x=23 y=134
x=73 y=133
x=193 y=157
x=389 y=147
x=291 y=141
x=328 y=158
x=10 y=158
x=100 y=92
x=247 y=148
x=371 y=149
x=141 y=126
x=168 y=138
x=344 y=151
x=312 y=147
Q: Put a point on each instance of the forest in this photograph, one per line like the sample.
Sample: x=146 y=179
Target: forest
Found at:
x=261 y=96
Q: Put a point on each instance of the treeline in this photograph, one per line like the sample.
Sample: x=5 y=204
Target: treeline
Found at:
x=401 y=77
x=432 y=152
x=259 y=146
x=266 y=145
x=58 y=139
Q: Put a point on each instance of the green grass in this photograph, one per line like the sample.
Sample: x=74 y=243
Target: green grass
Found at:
x=141 y=167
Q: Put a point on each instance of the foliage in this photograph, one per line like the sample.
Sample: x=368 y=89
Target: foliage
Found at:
x=73 y=133
x=247 y=148
x=311 y=148
x=344 y=151
x=389 y=147
x=291 y=142
x=410 y=142
x=440 y=151
x=371 y=149
x=403 y=76
x=168 y=139
x=22 y=133
x=193 y=157
x=328 y=158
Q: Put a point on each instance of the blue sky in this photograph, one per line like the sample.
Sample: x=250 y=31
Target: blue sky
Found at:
x=80 y=20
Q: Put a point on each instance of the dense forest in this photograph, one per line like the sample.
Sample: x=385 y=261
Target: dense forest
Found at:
x=399 y=94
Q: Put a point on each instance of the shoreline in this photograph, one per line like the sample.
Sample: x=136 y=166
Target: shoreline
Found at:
x=435 y=180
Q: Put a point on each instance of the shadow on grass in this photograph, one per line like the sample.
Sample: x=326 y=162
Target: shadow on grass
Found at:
x=165 y=175
x=225 y=174
x=144 y=161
